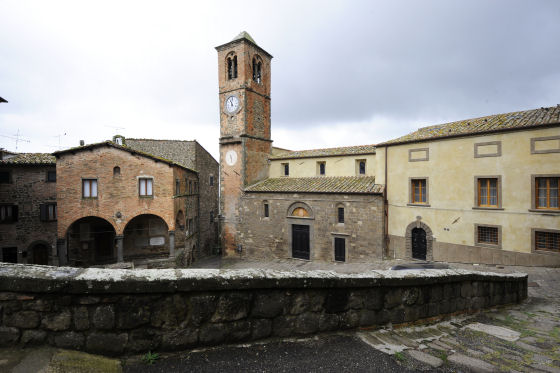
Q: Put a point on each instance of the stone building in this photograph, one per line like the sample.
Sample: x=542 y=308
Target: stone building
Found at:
x=28 y=208
x=269 y=213
x=119 y=203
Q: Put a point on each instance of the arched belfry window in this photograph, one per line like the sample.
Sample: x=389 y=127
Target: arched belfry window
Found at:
x=257 y=69
x=232 y=67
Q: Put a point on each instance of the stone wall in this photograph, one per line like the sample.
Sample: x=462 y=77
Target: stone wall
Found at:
x=122 y=311
x=270 y=237
x=27 y=190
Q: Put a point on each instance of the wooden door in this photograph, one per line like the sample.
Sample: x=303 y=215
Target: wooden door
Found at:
x=419 y=246
x=339 y=249
x=300 y=241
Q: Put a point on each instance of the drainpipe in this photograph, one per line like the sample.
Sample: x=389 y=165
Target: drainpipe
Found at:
x=386 y=204
x=171 y=244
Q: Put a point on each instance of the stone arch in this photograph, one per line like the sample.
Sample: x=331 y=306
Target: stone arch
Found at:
x=146 y=235
x=302 y=205
x=91 y=240
x=39 y=252
x=231 y=66
x=429 y=239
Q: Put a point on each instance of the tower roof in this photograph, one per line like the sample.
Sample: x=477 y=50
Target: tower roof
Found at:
x=244 y=35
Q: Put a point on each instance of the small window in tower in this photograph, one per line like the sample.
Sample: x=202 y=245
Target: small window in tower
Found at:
x=116 y=171
x=234 y=67
x=211 y=180
x=266 y=210
x=257 y=70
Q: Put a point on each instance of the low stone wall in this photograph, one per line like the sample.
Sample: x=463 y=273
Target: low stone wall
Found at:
x=115 y=311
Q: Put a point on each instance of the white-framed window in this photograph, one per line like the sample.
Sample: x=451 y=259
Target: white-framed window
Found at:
x=145 y=187
x=89 y=188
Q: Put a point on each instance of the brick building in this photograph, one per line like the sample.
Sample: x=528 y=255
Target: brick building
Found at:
x=119 y=203
x=28 y=209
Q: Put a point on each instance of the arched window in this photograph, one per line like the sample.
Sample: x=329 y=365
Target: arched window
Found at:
x=257 y=70
x=300 y=212
x=116 y=171
x=232 y=67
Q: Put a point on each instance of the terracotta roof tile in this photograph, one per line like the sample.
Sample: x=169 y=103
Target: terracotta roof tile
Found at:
x=491 y=123
x=348 y=184
x=30 y=159
x=178 y=151
x=327 y=152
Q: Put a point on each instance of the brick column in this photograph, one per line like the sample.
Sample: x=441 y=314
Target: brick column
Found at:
x=62 y=251
x=119 y=239
x=171 y=244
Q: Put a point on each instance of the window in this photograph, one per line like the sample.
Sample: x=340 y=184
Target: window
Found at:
x=257 y=70
x=190 y=226
x=51 y=176
x=47 y=211
x=266 y=212
x=321 y=168
x=232 y=67
x=361 y=167
x=8 y=213
x=488 y=235
x=341 y=214
x=89 y=188
x=548 y=240
x=488 y=192
x=195 y=187
x=211 y=180
x=177 y=187
x=546 y=192
x=190 y=187
x=116 y=171
x=5 y=177
x=419 y=191
x=286 y=167
x=339 y=249
x=146 y=186
x=211 y=217
x=9 y=255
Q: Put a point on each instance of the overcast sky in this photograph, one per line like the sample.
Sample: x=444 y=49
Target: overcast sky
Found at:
x=343 y=73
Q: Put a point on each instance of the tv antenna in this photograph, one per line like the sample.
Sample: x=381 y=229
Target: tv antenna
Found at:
x=59 y=137
x=19 y=138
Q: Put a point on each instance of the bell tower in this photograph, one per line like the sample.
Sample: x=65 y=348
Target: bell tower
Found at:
x=245 y=145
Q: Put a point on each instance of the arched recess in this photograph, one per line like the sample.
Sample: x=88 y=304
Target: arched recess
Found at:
x=231 y=66
x=418 y=224
x=145 y=235
x=257 y=69
x=91 y=240
x=38 y=252
x=300 y=210
x=180 y=220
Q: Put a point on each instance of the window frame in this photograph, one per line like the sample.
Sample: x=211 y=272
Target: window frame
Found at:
x=177 y=186
x=266 y=211
x=44 y=215
x=286 y=167
x=90 y=180
x=343 y=240
x=411 y=201
x=321 y=168
x=139 y=187
x=211 y=181
x=534 y=232
x=14 y=213
x=486 y=244
x=340 y=215
x=534 y=194
x=50 y=172
x=477 y=205
x=359 y=169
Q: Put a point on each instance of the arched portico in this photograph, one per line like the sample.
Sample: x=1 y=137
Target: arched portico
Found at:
x=147 y=235
x=91 y=240
x=38 y=252
x=419 y=241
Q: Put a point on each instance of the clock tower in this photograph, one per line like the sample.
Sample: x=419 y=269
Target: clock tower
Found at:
x=245 y=145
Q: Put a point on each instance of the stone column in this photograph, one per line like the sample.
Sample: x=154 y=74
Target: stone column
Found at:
x=62 y=251
x=119 y=239
x=171 y=244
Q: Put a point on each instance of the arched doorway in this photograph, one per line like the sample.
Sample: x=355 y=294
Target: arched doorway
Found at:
x=419 y=248
x=300 y=216
x=38 y=253
x=146 y=235
x=91 y=240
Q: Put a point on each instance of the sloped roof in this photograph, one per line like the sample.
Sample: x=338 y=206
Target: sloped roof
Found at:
x=30 y=159
x=128 y=149
x=492 y=123
x=244 y=35
x=326 y=152
x=346 y=184
x=178 y=151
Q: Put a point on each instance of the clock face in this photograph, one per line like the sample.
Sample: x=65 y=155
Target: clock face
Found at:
x=231 y=157
x=232 y=104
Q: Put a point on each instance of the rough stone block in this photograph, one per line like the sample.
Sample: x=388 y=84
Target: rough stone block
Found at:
x=307 y=323
x=261 y=328
x=393 y=298
x=133 y=312
x=410 y=296
x=232 y=306
x=336 y=300
x=328 y=322
x=8 y=336
x=349 y=319
x=373 y=299
x=269 y=305
x=466 y=290
x=106 y=343
x=284 y=326
x=32 y=337
x=57 y=321
x=368 y=317
x=23 y=319
x=169 y=312
x=436 y=293
x=212 y=334
x=104 y=317
x=179 y=339
x=70 y=340
x=80 y=316
x=41 y=305
x=144 y=339
x=239 y=331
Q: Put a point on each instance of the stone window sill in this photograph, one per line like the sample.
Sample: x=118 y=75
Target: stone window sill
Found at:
x=487 y=208
x=546 y=252
x=543 y=211
x=491 y=246
x=340 y=234
x=418 y=204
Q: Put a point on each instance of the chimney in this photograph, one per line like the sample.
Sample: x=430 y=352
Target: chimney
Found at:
x=82 y=143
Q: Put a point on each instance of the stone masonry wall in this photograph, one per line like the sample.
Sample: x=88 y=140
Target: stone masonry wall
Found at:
x=118 y=311
x=28 y=189
x=269 y=238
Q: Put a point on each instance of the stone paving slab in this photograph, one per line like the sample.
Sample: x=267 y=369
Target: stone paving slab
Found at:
x=496 y=331
x=425 y=358
x=471 y=363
